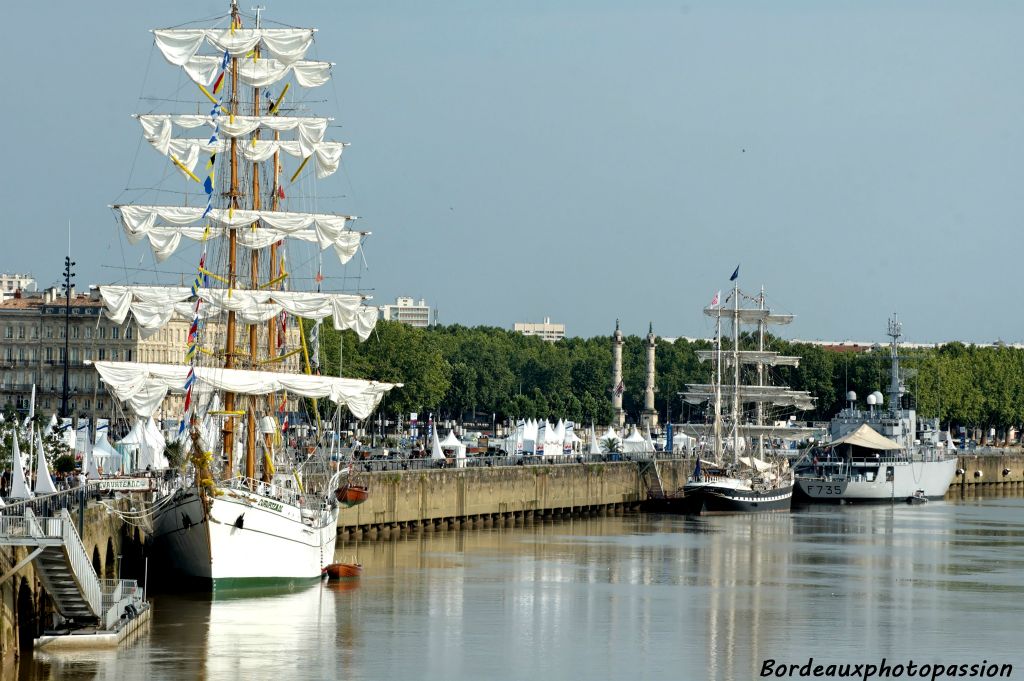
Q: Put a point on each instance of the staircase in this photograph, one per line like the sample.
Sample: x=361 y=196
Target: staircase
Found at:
x=649 y=473
x=61 y=561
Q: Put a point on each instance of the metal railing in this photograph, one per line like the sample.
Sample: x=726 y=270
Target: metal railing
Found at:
x=78 y=557
x=49 y=504
x=393 y=462
x=118 y=594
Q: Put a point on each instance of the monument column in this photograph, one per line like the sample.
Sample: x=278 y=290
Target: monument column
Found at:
x=618 y=387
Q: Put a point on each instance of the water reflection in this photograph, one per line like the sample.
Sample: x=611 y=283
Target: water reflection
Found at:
x=612 y=598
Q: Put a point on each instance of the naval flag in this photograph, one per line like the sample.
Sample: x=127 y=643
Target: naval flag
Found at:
x=716 y=299
x=736 y=274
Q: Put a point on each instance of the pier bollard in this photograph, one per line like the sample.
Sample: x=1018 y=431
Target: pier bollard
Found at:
x=372 y=534
x=385 y=532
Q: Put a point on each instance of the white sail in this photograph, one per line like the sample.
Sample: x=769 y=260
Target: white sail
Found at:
x=139 y=217
x=765 y=358
x=327 y=155
x=144 y=386
x=748 y=315
x=19 y=486
x=203 y=70
x=154 y=306
x=158 y=129
x=288 y=45
x=44 y=483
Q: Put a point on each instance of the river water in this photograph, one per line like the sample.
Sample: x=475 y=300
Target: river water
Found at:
x=627 y=597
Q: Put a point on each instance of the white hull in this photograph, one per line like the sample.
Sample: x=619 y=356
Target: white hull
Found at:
x=871 y=484
x=273 y=542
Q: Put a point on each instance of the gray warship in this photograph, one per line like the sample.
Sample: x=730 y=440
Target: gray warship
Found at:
x=882 y=454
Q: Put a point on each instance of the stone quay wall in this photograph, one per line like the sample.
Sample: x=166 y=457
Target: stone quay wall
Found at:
x=455 y=497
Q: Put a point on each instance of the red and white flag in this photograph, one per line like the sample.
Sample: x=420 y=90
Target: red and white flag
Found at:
x=714 y=301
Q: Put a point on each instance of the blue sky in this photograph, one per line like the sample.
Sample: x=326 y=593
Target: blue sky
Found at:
x=589 y=161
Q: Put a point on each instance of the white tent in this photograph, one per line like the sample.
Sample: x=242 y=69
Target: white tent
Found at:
x=609 y=434
x=435 y=448
x=453 y=443
x=571 y=440
x=147 y=443
x=106 y=457
x=634 y=443
x=90 y=466
x=648 y=439
x=19 y=487
x=44 y=483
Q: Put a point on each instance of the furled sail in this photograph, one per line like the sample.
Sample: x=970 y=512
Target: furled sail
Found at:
x=158 y=128
x=762 y=357
x=187 y=150
x=159 y=224
x=164 y=241
x=778 y=395
x=154 y=306
x=261 y=73
x=287 y=45
x=144 y=386
x=748 y=316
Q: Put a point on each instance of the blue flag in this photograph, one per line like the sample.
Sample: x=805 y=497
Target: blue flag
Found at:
x=668 y=438
x=736 y=274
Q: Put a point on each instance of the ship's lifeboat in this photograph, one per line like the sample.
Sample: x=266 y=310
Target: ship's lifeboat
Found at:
x=351 y=495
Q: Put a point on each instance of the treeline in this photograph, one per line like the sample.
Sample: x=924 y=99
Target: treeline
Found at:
x=456 y=372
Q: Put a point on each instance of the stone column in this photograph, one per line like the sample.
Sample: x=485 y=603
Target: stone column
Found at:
x=618 y=387
x=649 y=417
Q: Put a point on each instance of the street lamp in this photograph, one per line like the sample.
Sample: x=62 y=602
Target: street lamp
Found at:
x=68 y=281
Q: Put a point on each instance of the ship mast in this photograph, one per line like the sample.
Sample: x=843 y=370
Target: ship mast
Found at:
x=759 y=413
x=736 y=372
x=895 y=389
x=718 y=389
x=254 y=275
x=229 y=349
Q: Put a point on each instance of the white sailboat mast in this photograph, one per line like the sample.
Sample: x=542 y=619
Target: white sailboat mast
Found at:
x=759 y=413
x=736 y=372
x=718 y=389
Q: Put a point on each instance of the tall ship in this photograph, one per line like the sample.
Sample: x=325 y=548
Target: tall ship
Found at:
x=740 y=473
x=882 y=453
x=244 y=506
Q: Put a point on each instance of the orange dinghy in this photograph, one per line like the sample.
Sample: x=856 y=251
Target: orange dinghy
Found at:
x=343 y=570
x=351 y=495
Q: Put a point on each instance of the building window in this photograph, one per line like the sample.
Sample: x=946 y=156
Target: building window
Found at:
x=102 y=354
x=35 y=332
x=128 y=333
x=88 y=332
x=74 y=332
x=128 y=355
x=21 y=331
x=9 y=332
x=115 y=333
x=113 y=354
x=10 y=354
x=49 y=332
x=101 y=332
x=49 y=354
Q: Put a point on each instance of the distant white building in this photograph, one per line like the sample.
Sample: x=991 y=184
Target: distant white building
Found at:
x=9 y=283
x=407 y=311
x=546 y=330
